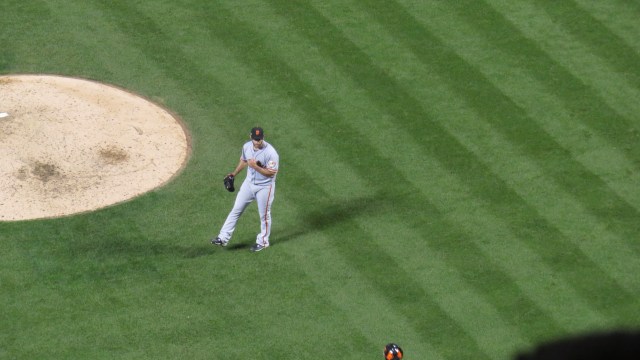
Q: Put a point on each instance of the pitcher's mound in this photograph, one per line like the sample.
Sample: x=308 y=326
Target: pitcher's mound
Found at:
x=70 y=145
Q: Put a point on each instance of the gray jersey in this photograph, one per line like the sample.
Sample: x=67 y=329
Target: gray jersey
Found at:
x=256 y=187
x=267 y=156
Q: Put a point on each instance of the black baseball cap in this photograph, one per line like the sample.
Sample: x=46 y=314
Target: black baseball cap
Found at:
x=257 y=133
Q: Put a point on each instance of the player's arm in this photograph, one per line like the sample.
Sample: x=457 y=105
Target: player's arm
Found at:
x=241 y=165
x=264 y=170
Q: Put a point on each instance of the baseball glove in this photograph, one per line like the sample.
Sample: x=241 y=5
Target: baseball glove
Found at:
x=228 y=183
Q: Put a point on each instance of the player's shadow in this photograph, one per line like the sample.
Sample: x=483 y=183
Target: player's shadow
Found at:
x=333 y=214
x=239 y=246
x=136 y=247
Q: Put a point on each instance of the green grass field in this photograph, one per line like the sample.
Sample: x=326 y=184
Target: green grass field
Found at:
x=459 y=177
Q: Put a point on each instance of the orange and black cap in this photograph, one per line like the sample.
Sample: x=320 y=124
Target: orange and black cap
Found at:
x=257 y=133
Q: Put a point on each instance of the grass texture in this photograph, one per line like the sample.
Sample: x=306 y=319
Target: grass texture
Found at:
x=457 y=177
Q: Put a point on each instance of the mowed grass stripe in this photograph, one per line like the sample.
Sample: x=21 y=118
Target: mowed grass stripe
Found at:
x=449 y=283
x=502 y=309
x=75 y=275
x=322 y=116
x=210 y=79
x=374 y=311
x=279 y=116
x=611 y=85
x=389 y=136
x=260 y=307
x=620 y=16
x=521 y=173
x=428 y=179
x=551 y=64
x=105 y=53
x=314 y=219
x=21 y=289
x=588 y=234
x=512 y=121
x=599 y=156
x=508 y=69
x=410 y=307
x=368 y=308
x=499 y=264
x=17 y=36
x=529 y=225
x=601 y=41
x=191 y=89
x=85 y=51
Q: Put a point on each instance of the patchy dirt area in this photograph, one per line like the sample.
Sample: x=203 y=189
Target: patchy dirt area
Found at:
x=70 y=145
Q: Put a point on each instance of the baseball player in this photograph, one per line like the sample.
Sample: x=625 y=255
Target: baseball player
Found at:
x=260 y=185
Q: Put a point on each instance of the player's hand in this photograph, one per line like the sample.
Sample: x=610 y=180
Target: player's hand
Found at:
x=252 y=163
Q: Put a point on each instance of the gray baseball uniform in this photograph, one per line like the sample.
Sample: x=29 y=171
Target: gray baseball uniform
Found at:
x=256 y=187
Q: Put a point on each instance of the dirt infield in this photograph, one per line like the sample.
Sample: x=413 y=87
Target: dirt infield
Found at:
x=69 y=145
